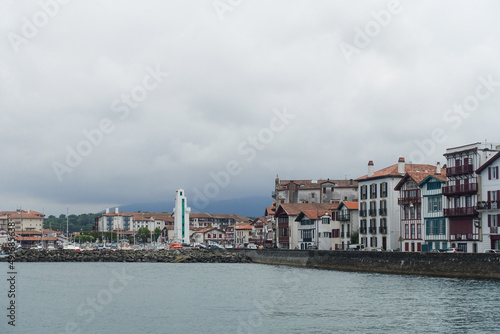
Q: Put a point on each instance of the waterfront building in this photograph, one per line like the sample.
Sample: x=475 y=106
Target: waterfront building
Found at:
x=181 y=217
x=315 y=230
x=379 y=212
x=488 y=204
x=242 y=233
x=22 y=220
x=410 y=206
x=209 y=235
x=262 y=232
x=436 y=226
x=288 y=228
x=462 y=190
x=314 y=191
x=347 y=216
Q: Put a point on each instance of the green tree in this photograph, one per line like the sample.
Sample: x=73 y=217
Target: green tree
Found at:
x=157 y=233
x=355 y=238
x=143 y=234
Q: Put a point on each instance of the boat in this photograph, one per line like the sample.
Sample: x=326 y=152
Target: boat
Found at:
x=71 y=247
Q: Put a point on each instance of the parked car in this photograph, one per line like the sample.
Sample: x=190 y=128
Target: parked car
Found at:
x=454 y=250
x=229 y=246
x=252 y=246
x=378 y=250
x=492 y=251
x=215 y=246
x=437 y=250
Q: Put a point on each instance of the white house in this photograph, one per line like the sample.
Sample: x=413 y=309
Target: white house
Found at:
x=462 y=190
x=379 y=212
x=488 y=205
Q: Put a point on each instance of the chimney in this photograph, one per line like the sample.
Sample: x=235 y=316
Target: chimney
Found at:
x=116 y=210
x=107 y=210
x=401 y=165
x=291 y=190
x=370 y=168
x=438 y=168
x=351 y=183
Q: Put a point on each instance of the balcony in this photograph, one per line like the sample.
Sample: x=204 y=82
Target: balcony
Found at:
x=362 y=213
x=284 y=240
x=494 y=230
x=456 y=212
x=344 y=217
x=362 y=230
x=464 y=237
x=382 y=211
x=458 y=170
x=372 y=212
x=372 y=229
x=283 y=224
x=484 y=205
x=382 y=229
x=460 y=189
x=307 y=239
x=408 y=200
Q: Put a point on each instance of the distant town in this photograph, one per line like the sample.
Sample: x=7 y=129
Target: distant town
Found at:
x=403 y=207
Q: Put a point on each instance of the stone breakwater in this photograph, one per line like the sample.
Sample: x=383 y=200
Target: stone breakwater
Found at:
x=171 y=256
x=456 y=265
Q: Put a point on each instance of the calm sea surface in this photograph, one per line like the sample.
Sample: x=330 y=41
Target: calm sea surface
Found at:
x=241 y=298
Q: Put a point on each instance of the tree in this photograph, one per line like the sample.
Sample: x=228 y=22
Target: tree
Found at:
x=157 y=233
x=354 y=238
x=143 y=234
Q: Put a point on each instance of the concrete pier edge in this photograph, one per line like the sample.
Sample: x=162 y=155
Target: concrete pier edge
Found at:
x=456 y=265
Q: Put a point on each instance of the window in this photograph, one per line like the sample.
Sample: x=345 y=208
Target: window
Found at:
x=325 y=220
x=492 y=173
x=383 y=189
x=435 y=204
x=373 y=190
x=435 y=227
x=412 y=231
x=493 y=220
x=433 y=185
x=312 y=195
x=364 y=192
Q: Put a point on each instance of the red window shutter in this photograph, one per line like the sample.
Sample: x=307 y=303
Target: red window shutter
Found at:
x=489 y=196
x=324 y=190
x=497 y=171
x=489 y=220
x=489 y=173
x=498 y=195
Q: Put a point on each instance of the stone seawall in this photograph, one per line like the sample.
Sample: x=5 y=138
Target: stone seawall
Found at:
x=173 y=256
x=460 y=265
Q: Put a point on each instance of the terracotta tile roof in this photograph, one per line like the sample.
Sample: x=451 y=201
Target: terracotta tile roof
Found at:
x=351 y=205
x=294 y=209
x=418 y=177
x=22 y=214
x=309 y=184
x=243 y=227
x=393 y=171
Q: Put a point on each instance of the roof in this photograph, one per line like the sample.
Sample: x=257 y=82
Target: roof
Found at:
x=243 y=227
x=349 y=205
x=418 y=177
x=313 y=214
x=316 y=184
x=439 y=177
x=30 y=214
x=294 y=209
x=488 y=163
x=393 y=171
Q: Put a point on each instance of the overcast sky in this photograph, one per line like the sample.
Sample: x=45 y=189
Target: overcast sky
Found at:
x=114 y=102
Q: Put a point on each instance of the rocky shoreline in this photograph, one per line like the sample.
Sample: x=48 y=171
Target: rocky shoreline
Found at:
x=172 y=256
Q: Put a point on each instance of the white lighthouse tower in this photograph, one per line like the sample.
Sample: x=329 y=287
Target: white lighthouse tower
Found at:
x=181 y=217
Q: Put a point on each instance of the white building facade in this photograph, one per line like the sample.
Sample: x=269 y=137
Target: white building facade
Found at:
x=488 y=205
